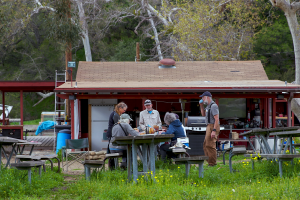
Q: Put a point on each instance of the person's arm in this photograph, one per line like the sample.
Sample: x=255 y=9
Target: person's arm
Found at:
x=202 y=109
x=130 y=130
x=170 y=130
x=141 y=123
x=213 y=133
x=116 y=118
x=215 y=112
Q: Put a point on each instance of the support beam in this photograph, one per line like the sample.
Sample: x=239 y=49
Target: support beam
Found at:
x=72 y=119
x=3 y=108
x=289 y=113
x=266 y=112
x=21 y=111
x=274 y=112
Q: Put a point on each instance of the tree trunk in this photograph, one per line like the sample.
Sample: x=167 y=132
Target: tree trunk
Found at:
x=294 y=28
x=85 y=33
x=155 y=36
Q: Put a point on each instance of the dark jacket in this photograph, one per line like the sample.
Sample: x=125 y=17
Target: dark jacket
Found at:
x=113 y=118
x=176 y=128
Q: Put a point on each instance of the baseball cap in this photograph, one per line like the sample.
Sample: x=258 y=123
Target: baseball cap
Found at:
x=125 y=116
x=207 y=93
x=148 y=102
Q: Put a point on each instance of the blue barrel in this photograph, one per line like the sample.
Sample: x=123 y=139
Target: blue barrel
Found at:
x=61 y=138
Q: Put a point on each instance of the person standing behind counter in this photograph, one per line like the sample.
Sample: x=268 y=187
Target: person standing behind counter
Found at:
x=211 y=114
x=149 y=116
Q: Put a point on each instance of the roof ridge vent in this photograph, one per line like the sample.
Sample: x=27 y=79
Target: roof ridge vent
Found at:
x=166 y=63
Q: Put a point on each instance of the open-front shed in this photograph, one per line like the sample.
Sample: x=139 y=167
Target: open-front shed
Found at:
x=241 y=88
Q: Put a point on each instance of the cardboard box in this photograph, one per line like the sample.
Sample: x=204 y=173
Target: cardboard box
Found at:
x=235 y=135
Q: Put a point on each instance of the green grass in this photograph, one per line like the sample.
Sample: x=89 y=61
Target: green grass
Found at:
x=170 y=183
x=31 y=122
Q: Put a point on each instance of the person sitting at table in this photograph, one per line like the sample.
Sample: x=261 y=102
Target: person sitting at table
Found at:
x=122 y=129
x=175 y=127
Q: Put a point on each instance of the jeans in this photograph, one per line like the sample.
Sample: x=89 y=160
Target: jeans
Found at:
x=124 y=154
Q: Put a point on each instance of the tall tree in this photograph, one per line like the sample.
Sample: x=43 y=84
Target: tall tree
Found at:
x=290 y=10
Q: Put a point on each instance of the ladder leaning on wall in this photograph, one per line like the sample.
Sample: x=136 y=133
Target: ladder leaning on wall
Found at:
x=58 y=103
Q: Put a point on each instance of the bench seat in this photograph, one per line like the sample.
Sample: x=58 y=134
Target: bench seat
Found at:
x=192 y=160
x=27 y=166
x=88 y=164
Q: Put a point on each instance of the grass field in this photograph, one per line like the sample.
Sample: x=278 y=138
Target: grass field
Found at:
x=31 y=122
x=170 y=183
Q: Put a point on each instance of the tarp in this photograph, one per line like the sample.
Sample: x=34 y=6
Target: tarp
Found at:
x=45 y=126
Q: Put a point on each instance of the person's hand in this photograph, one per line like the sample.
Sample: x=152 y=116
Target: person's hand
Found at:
x=213 y=134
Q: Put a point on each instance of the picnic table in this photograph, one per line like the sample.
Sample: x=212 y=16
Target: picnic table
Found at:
x=132 y=143
x=262 y=135
x=21 y=146
x=7 y=141
x=288 y=135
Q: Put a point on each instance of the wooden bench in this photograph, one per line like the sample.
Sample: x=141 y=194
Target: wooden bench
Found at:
x=192 y=160
x=115 y=156
x=88 y=164
x=25 y=158
x=279 y=157
x=234 y=151
x=181 y=152
x=27 y=166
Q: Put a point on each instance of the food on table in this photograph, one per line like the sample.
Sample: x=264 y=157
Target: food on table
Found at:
x=156 y=127
x=136 y=129
x=151 y=131
x=142 y=133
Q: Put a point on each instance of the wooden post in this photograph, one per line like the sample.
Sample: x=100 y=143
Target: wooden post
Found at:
x=266 y=113
x=21 y=112
x=288 y=113
x=274 y=113
x=137 y=52
x=3 y=108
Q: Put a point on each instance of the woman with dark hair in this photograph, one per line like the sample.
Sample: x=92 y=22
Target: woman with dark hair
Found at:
x=175 y=127
x=114 y=117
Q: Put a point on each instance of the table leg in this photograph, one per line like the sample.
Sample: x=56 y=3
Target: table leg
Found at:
x=280 y=167
x=280 y=148
x=30 y=149
x=144 y=151
x=21 y=152
x=201 y=169
x=187 y=169
x=10 y=155
x=266 y=144
x=286 y=146
x=291 y=144
x=129 y=162
x=134 y=162
x=261 y=146
x=29 y=175
x=248 y=138
x=275 y=145
x=152 y=158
